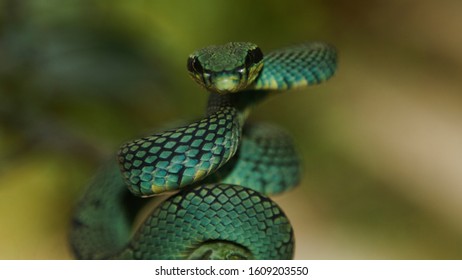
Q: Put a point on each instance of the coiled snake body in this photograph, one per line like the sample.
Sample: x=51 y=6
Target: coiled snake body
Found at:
x=220 y=167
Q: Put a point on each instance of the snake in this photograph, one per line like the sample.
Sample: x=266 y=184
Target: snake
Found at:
x=210 y=180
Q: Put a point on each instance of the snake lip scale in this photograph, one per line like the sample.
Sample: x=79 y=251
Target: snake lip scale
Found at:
x=219 y=170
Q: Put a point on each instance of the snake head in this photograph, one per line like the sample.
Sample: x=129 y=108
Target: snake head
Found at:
x=226 y=68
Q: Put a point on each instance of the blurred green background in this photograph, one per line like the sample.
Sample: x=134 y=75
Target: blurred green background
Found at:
x=381 y=141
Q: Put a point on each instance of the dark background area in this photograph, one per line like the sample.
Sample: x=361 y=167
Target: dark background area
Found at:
x=381 y=141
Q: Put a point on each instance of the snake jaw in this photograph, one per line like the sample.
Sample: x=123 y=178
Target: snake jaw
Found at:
x=231 y=81
x=226 y=84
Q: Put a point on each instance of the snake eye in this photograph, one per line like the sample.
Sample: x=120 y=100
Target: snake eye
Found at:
x=253 y=56
x=257 y=54
x=194 y=65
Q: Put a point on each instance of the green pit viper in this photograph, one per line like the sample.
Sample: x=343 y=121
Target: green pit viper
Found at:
x=220 y=169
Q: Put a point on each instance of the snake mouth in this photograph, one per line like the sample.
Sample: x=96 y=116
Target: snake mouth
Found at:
x=226 y=84
x=220 y=83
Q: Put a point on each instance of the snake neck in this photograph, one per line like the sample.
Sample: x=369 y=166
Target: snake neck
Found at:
x=243 y=102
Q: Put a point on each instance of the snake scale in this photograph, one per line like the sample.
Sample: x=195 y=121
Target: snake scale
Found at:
x=219 y=170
